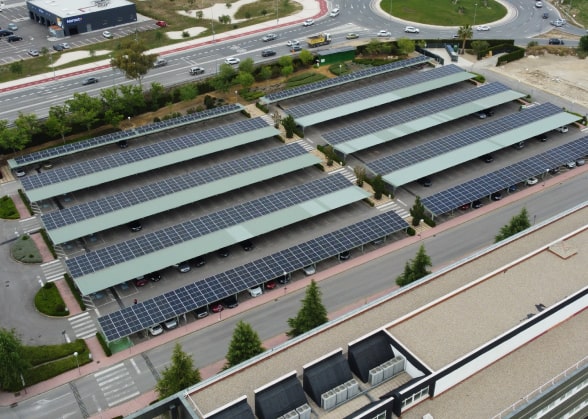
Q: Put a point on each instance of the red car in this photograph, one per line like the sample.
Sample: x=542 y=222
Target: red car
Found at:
x=270 y=285
x=216 y=307
x=161 y=23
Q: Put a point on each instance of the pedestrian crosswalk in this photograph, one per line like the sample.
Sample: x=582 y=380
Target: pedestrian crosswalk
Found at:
x=305 y=145
x=116 y=384
x=394 y=206
x=347 y=172
x=30 y=225
x=83 y=325
x=52 y=271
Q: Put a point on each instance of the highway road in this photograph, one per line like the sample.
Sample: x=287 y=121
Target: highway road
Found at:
x=97 y=392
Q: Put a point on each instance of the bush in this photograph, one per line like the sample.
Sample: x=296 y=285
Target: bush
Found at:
x=48 y=243
x=262 y=107
x=48 y=301
x=410 y=231
x=74 y=290
x=103 y=343
x=8 y=210
x=37 y=355
x=25 y=200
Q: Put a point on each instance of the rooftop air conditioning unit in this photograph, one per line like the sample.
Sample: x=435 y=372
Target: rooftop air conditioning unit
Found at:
x=388 y=369
x=376 y=375
x=341 y=392
x=328 y=400
x=292 y=414
x=352 y=388
x=303 y=411
x=398 y=365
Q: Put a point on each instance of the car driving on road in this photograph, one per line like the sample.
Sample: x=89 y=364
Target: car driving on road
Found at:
x=411 y=29
x=232 y=61
x=384 y=34
x=308 y=22
x=89 y=80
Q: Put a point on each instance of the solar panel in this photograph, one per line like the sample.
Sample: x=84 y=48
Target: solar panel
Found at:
x=92 y=167
x=412 y=113
x=166 y=187
x=450 y=199
x=180 y=233
x=461 y=139
x=123 y=135
x=338 y=81
x=371 y=91
x=126 y=322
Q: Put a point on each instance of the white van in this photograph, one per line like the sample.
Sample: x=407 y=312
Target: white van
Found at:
x=334 y=12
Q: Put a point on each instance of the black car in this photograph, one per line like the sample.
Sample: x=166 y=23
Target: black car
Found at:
x=295 y=48
x=4 y=33
x=247 y=245
x=201 y=312
x=268 y=53
x=230 y=302
x=223 y=253
x=199 y=261
x=284 y=279
x=154 y=276
x=555 y=41
x=135 y=226
x=14 y=38
x=489 y=112
x=542 y=137
x=123 y=144
x=487 y=158
x=90 y=80
x=425 y=181
x=496 y=196
x=345 y=255
x=58 y=47
x=477 y=203
x=545 y=15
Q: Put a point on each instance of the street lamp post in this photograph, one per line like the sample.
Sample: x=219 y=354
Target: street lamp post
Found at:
x=212 y=23
x=77 y=362
x=277 y=12
x=475 y=11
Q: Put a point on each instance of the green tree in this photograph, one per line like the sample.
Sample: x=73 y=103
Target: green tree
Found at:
x=583 y=43
x=416 y=268
x=306 y=57
x=517 y=224
x=115 y=109
x=84 y=110
x=379 y=186
x=405 y=46
x=285 y=61
x=463 y=34
x=179 y=375
x=480 y=46
x=12 y=361
x=224 y=79
x=286 y=71
x=58 y=121
x=157 y=95
x=132 y=99
x=266 y=72
x=373 y=48
x=360 y=174
x=245 y=344
x=312 y=313
x=129 y=57
x=245 y=79
x=247 y=66
x=289 y=125
x=188 y=91
x=417 y=211
x=26 y=127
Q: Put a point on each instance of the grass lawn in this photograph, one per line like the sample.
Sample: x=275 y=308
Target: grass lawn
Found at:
x=8 y=210
x=445 y=13
x=48 y=301
x=25 y=250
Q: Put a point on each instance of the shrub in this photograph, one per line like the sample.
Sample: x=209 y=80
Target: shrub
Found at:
x=48 y=243
x=48 y=301
x=103 y=343
x=74 y=290
x=8 y=210
x=25 y=200
x=262 y=107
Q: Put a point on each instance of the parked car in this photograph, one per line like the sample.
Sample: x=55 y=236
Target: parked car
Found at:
x=183 y=267
x=483 y=28
x=123 y=144
x=4 y=32
x=47 y=164
x=58 y=47
x=269 y=37
x=542 y=137
x=270 y=285
x=570 y=164
x=554 y=171
x=481 y=115
x=201 y=312
x=487 y=158
x=477 y=204
x=268 y=53
x=170 y=324
x=489 y=111
x=562 y=129
x=512 y=188
x=532 y=181
x=107 y=34
x=344 y=255
x=12 y=26
x=580 y=162
x=309 y=270
x=89 y=80
x=161 y=23
x=135 y=226
x=154 y=276
x=230 y=302
x=33 y=52
x=351 y=35
x=20 y=172
x=232 y=61
x=384 y=34
x=223 y=252
x=216 y=307
x=255 y=291
x=411 y=29
x=247 y=245
x=199 y=261
x=65 y=45
x=284 y=279
x=308 y=22
x=14 y=38
x=519 y=146
x=140 y=281
x=555 y=41
x=155 y=330
x=465 y=207
x=496 y=196
x=425 y=181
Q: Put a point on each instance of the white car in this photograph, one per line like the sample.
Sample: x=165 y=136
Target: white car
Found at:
x=384 y=33
x=232 y=61
x=483 y=28
x=538 y=4
x=308 y=22
x=562 y=129
x=532 y=181
x=107 y=35
x=293 y=43
x=155 y=330
x=255 y=291
x=570 y=164
x=411 y=29
x=170 y=324
x=309 y=270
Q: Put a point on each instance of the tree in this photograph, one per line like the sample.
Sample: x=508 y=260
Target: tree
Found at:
x=360 y=174
x=247 y=66
x=245 y=79
x=12 y=361
x=517 y=224
x=379 y=186
x=245 y=344
x=480 y=46
x=285 y=61
x=132 y=99
x=289 y=125
x=306 y=57
x=287 y=70
x=84 y=110
x=417 y=211
x=129 y=57
x=58 y=121
x=179 y=375
x=415 y=269
x=188 y=91
x=266 y=72
x=464 y=33
x=27 y=126
x=223 y=80
x=583 y=44
x=157 y=95
x=312 y=313
x=405 y=46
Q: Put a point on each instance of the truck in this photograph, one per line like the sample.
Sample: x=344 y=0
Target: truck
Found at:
x=319 y=40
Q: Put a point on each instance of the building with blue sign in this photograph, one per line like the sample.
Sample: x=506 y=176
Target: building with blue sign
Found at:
x=72 y=17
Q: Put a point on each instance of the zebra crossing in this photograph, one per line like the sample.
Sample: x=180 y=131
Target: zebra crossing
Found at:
x=305 y=145
x=83 y=325
x=116 y=384
x=347 y=172
x=30 y=225
x=54 y=270
x=394 y=206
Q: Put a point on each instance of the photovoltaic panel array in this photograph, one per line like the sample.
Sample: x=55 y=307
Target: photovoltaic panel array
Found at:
x=452 y=198
x=460 y=139
x=66 y=149
x=127 y=199
x=192 y=229
x=406 y=115
x=198 y=294
x=111 y=161
x=371 y=90
x=338 y=81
